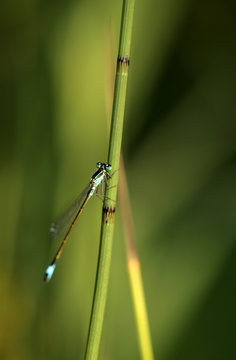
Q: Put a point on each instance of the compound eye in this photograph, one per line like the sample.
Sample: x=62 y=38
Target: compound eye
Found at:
x=108 y=166
x=99 y=164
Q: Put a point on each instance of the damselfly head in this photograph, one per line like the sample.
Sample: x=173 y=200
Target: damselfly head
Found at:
x=108 y=166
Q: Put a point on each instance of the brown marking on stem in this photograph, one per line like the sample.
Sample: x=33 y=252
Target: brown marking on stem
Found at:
x=108 y=214
x=123 y=61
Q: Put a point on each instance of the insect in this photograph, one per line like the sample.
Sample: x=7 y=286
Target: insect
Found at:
x=71 y=215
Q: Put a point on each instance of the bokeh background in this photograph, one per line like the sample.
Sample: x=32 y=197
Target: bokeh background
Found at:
x=56 y=64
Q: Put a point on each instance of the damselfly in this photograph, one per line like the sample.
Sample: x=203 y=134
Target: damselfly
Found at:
x=66 y=222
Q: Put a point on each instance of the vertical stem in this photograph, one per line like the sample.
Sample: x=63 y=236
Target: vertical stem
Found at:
x=107 y=227
x=133 y=262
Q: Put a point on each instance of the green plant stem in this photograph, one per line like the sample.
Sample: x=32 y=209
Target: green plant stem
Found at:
x=133 y=262
x=107 y=227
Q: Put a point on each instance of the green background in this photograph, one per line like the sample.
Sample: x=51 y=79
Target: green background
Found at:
x=179 y=147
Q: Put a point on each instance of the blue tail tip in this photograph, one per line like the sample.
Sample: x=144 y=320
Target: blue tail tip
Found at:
x=49 y=272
